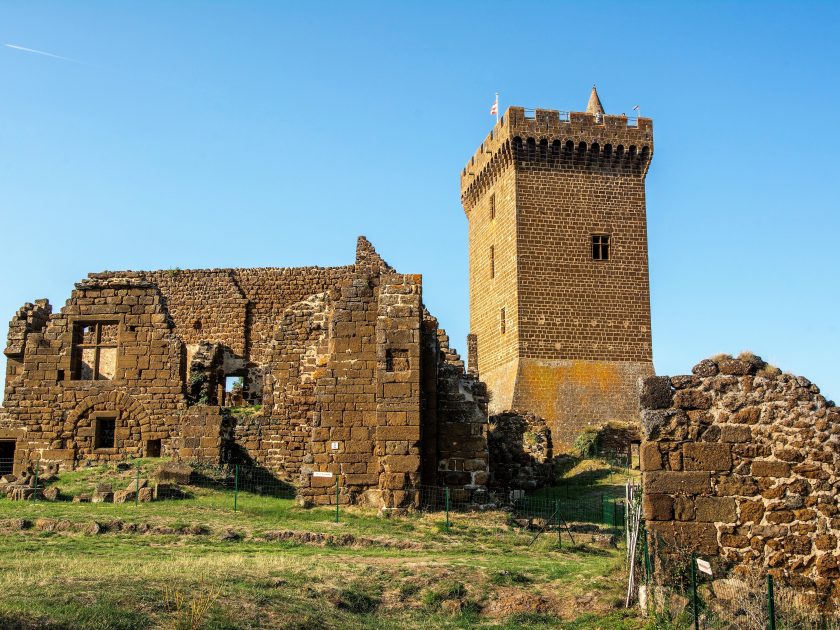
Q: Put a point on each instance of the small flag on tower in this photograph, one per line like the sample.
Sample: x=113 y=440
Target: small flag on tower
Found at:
x=494 y=111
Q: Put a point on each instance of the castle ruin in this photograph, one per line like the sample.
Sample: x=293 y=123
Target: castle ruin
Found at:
x=348 y=376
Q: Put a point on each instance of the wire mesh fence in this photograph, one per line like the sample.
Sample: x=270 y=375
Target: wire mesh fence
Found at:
x=242 y=486
x=683 y=590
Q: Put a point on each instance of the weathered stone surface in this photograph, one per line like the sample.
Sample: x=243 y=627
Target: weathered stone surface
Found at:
x=666 y=482
x=715 y=509
x=174 y=472
x=701 y=456
x=762 y=468
x=352 y=373
x=656 y=393
x=767 y=443
x=658 y=507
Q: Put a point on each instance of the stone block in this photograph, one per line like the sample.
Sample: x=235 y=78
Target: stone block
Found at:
x=735 y=433
x=397 y=433
x=651 y=458
x=766 y=468
x=658 y=507
x=656 y=393
x=401 y=463
x=672 y=482
x=715 y=510
x=684 y=509
x=706 y=456
x=692 y=399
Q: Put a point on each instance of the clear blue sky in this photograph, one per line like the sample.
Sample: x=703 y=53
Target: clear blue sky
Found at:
x=264 y=134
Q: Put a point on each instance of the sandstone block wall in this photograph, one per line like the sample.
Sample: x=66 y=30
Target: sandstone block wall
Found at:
x=557 y=333
x=354 y=378
x=742 y=461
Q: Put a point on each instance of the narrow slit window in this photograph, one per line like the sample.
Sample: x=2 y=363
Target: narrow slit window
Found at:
x=600 y=247
x=492 y=261
x=492 y=206
x=502 y=324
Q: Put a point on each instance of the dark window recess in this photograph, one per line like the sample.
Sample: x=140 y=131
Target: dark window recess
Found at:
x=396 y=360
x=492 y=206
x=152 y=448
x=60 y=376
x=502 y=324
x=105 y=428
x=600 y=247
x=7 y=457
x=492 y=261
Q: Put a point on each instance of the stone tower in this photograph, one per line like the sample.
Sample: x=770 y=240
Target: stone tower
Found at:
x=559 y=291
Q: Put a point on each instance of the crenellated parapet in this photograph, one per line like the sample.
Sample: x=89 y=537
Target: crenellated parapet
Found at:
x=555 y=139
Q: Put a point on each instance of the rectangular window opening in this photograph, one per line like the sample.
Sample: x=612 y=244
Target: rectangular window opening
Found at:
x=492 y=206
x=502 y=324
x=396 y=360
x=600 y=247
x=94 y=352
x=104 y=432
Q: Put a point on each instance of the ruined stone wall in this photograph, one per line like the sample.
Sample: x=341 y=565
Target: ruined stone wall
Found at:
x=521 y=451
x=576 y=339
x=357 y=383
x=52 y=412
x=742 y=461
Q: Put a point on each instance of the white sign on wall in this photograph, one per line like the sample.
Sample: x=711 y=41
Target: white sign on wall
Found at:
x=319 y=473
x=335 y=446
x=704 y=566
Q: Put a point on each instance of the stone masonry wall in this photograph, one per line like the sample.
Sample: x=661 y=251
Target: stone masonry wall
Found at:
x=576 y=337
x=357 y=383
x=742 y=461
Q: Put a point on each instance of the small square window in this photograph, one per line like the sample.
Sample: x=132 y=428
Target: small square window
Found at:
x=600 y=247
x=105 y=427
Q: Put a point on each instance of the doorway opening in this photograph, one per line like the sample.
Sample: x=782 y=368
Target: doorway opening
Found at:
x=7 y=456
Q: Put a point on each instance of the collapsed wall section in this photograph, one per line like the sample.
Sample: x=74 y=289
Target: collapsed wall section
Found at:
x=742 y=461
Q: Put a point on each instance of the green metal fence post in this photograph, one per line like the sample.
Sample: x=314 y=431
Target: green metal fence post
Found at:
x=235 y=486
x=771 y=604
x=694 y=592
x=446 y=506
x=37 y=467
x=336 y=498
x=137 y=486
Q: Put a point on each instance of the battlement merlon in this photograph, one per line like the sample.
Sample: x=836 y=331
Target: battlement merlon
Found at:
x=625 y=139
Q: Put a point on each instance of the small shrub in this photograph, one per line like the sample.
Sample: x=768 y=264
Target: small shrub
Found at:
x=356 y=601
x=409 y=589
x=586 y=444
x=508 y=578
x=445 y=591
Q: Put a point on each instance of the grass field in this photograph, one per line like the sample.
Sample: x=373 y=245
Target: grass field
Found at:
x=196 y=563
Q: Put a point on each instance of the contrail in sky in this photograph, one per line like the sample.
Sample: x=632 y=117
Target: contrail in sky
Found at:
x=40 y=52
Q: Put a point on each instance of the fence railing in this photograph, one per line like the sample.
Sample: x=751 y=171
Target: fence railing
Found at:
x=140 y=481
x=684 y=590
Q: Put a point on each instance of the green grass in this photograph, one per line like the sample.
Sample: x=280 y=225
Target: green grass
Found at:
x=406 y=572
